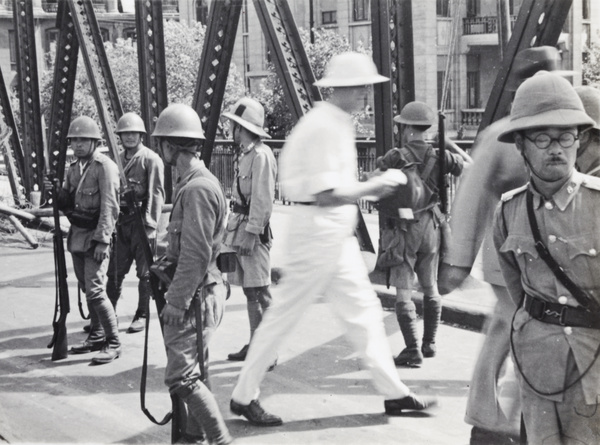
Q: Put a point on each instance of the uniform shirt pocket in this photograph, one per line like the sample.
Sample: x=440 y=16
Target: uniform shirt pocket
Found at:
x=523 y=249
x=584 y=261
x=89 y=198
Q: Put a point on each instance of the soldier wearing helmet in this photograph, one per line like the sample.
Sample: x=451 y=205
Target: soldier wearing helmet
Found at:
x=248 y=230
x=195 y=233
x=545 y=233
x=319 y=173
x=144 y=171
x=588 y=155
x=410 y=239
x=92 y=182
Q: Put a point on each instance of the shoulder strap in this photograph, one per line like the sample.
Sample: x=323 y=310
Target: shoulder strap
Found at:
x=581 y=297
x=428 y=168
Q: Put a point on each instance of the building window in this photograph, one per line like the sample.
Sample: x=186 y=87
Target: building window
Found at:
x=51 y=39
x=361 y=10
x=130 y=33
x=329 y=17
x=440 y=92
x=585 y=9
x=105 y=35
x=443 y=8
x=12 y=45
x=473 y=95
x=473 y=9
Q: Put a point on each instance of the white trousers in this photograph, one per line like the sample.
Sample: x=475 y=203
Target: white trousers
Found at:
x=323 y=259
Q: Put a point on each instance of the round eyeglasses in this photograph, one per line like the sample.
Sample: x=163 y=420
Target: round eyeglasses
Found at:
x=543 y=140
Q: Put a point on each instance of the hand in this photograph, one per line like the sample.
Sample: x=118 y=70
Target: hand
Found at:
x=247 y=246
x=172 y=315
x=101 y=252
x=450 y=277
x=388 y=181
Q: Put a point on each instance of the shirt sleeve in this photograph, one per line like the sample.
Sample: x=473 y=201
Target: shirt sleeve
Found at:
x=263 y=194
x=508 y=264
x=156 y=192
x=108 y=179
x=196 y=241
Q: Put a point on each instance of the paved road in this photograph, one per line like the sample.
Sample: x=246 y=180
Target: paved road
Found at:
x=319 y=387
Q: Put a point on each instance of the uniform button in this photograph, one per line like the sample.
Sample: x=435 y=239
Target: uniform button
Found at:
x=519 y=250
x=562 y=300
x=570 y=189
x=568 y=330
x=593 y=252
x=552 y=239
x=549 y=205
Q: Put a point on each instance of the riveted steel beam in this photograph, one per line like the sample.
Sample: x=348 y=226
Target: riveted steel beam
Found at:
x=65 y=71
x=539 y=23
x=215 y=60
x=29 y=97
x=153 y=72
x=392 y=35
x=98 y=71
x=290 y=60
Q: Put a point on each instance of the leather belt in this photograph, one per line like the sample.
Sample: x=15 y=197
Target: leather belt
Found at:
x=238 y=208
x=560 y=314
x=124 y=209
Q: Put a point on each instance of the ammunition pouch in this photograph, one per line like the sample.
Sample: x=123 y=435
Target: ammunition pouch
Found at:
x=239 y=208
x=164 y=269
x=226 y=261
x=84 y=220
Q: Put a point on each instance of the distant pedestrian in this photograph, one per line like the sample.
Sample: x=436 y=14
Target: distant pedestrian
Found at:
x=92 y=185
x=144 y=171
x=319 y=173
x=546 y=236
x=248 y=228
x=195 y=234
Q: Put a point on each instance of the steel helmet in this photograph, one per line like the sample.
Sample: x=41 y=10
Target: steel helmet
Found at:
x=178 y=121
x=530 y=61
x=130 y=123
x=546 y=100
x=250 y=114
x=84 y=127
x=350 y=69
x=416 y=113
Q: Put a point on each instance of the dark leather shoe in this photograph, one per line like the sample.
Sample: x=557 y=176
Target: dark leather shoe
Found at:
x=255 y=414
x=87 y=328
x=88 y=346
x=411 y=402
x=482 y=436
x=138 y=324
x=428 y=349
x=239 y=356
x=107 y=355
x=409 y=357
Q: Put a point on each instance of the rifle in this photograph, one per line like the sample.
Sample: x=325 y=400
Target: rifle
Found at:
x=62 y=305
x=445 y=233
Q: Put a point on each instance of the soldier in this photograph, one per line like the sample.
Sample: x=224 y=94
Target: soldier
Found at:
x=195 y=233
x=497 y=169
x=248 y=230
x=92 y=185
x=411 y=240
x=545 y=234
x=319 y=173
x=144 y=172
x=588 y=155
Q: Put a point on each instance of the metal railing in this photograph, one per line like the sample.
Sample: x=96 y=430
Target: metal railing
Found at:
x=483 y=25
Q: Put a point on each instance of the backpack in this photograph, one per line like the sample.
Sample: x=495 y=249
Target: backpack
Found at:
x=418 y=194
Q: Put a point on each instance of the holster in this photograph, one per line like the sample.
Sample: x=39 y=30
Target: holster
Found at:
x=84 y=220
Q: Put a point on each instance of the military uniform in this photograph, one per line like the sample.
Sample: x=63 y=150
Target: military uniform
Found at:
x=95 y=191
x=549 y=357
x=144 y=173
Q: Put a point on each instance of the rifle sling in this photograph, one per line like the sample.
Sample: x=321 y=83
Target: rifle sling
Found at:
x=582 y=298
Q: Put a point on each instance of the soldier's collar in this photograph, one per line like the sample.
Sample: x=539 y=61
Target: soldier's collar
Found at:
x=563 y=197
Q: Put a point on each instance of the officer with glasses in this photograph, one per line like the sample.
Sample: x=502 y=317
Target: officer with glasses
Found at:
x=546 y=236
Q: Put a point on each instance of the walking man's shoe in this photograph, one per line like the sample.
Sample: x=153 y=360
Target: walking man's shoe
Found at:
x=255 y=414
x=239 y=356
x=410 y=358
x=411 y=402
x=107 y=354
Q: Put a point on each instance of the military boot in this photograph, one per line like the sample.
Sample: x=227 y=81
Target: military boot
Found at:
x=432 y=313
x=411 y=356
x=110 y=351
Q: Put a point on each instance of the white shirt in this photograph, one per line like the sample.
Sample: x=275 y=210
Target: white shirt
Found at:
x=319 y=154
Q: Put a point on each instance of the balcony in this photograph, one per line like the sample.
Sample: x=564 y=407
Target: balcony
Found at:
x=483 y=25
x=471 y=118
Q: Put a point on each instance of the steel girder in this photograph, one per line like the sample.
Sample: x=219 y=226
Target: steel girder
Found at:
x=31 y=116
x=214 y=68
x=539 y=23
x=65 y=71
x=286 y=48
x=153 y=71
x=392 y=36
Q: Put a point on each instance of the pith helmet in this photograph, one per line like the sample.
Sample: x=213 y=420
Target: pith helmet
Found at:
x=545 y=100
x=532 y=60
x=84 y=127
x=590 y=97
x=350 y=69
x=132 y=123
x=178 y=120
x=250 y=114
x=416 y=113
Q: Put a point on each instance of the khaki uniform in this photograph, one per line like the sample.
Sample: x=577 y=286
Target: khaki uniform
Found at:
x=256 y=173
x=550 y=356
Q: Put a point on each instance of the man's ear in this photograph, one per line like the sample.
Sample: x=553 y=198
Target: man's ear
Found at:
x=584 y=137
x=519 y=141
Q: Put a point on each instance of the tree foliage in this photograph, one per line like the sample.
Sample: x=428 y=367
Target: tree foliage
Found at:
x=591 y=66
